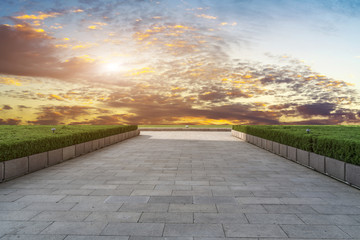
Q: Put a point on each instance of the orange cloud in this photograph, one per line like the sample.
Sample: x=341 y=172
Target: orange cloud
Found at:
x=93 y=27
x=86 y=45
x=9 y=81
x=55 y=97
x=56 y=27
x=206 y=16
x=96 y=25
x=204 y=121
x=77 y=10
x=62 y=45
x=144 y=70
x=100 y=23
x=40 y=16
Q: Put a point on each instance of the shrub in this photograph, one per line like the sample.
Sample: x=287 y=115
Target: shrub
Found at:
x=21 y=141
x=339 y=142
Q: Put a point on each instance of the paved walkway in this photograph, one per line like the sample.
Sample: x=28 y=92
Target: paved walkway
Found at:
x=176 y=186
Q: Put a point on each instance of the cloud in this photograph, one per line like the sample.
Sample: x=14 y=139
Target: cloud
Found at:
x=7 y=107
x=206 y=16
x=115 y=119
x=53 y=115
x=25 y=51
x=316 y=109
x=10 y=121
x=93 y=27
x=174 y=69
x=10 y=81
x=40 y=16
x=21 y=107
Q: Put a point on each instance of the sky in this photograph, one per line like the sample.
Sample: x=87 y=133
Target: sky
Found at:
x=179 y=62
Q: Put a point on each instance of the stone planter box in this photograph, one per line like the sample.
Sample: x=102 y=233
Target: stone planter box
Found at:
x=243 y=136
x=258 y=141
x=106 y=141
x=95 y=144
x=236 y=134
x=113 y=139
x=340 y=170
x=253 y=140
x=101 y=142
x=1 y=171
x=68 y=152
x=55 y=157
x=16 y=168
x=302 y=157
x=353 y=174
x=276 y=148
x=88 y=147
x=335 y=168
x=121 y=137
x=38 y=161
x=268 y=145
x=79 y=149
x=250 y=139
x=283 y=150
x=291 y=153
x=263 y=143
x=21 y=166
x=317 y=162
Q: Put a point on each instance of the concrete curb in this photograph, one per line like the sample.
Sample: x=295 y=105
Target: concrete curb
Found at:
x=345 y=172
x=18 y=167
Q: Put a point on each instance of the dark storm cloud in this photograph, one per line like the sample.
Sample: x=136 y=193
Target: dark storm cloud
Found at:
x=316 y=109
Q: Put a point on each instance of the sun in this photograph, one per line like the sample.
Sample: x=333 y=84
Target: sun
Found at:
x=112 y=67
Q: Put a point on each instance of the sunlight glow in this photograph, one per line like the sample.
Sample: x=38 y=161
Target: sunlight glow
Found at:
x=112 y=67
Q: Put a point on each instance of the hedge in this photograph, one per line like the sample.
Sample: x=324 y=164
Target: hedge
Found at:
x=339 y=142
x=21 y=141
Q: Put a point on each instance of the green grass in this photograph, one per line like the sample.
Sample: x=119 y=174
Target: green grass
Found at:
x=340 y=142
x=20 y=141
x=183 y=126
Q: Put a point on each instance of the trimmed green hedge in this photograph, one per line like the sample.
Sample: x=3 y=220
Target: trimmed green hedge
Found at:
x=21 y=141
x=339 y=142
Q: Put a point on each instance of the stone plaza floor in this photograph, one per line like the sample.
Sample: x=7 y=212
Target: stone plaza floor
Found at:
x=178 y=186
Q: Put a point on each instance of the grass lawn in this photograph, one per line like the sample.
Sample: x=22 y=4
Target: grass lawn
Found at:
x=183 y=126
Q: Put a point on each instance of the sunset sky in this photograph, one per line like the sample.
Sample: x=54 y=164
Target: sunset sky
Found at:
x=180 y=62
